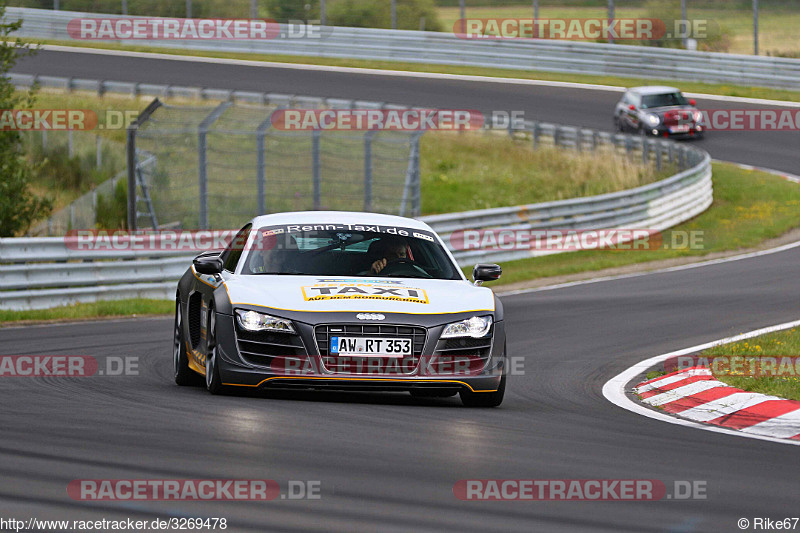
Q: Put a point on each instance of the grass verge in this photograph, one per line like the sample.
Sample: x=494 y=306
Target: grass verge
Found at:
x=782 y=343
x=749 y=207
x=695 y=87
x=112 y=308
x=777 y=24
x=457 y=170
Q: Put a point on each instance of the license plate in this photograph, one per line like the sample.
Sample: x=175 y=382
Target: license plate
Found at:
x=683 y=128
x=370 y=346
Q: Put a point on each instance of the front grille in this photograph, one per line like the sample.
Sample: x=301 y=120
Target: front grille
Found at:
x=369 y=365
x=674 y=118
x=277 y=350
x=461 y=356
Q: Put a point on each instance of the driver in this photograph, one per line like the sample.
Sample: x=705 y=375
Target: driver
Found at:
x=389 y=248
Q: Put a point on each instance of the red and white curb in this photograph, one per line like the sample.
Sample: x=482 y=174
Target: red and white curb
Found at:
x=732 y=414
x=694 y=394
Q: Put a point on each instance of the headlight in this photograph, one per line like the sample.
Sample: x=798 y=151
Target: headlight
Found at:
x=653 y=119
x=477 y=326
x=253 y=321
x=698 y=117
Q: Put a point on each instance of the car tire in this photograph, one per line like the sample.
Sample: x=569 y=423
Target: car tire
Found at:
x=184 y=375
x=213 y=380
x=618 y=125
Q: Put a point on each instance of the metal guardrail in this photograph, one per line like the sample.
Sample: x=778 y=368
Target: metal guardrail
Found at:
x=49 y=272
x=448 y=49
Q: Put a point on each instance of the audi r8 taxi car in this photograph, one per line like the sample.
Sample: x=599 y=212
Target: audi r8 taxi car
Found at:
x=658 y=111
x=340 y=300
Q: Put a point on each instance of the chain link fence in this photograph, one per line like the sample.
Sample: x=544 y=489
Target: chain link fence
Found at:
x=78 y=160
x=215 y=166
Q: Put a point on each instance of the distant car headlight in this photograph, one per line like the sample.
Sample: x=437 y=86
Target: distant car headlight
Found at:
x=253 y=321
x=476 y=327
x=698 y=116
x=652 y=119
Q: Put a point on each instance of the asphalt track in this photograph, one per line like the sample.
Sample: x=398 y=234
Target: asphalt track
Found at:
x=588 y=108
x=384 y=461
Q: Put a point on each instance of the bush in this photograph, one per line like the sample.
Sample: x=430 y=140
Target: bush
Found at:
x=112 y=212
x=370 y=14
x=718 y=38
x=18 y=205
x=284 y=10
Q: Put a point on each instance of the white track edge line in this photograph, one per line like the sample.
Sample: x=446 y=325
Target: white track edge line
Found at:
x=398 y=73
x=614 y=389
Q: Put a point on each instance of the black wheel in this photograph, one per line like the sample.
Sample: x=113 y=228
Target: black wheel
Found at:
x=213 y=381
x=183 y=374
x=618 y=125
x=423 y=393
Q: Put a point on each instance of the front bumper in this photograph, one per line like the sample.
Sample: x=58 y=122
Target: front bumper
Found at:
x=695 y=130
x=307 y=371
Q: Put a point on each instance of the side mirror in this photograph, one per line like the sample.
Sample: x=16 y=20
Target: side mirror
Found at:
x=692 y=102
x=207 y=264
x=632 y=107
x=486 y=272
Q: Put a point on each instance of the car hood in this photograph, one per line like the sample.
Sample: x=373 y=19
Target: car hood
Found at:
x=386 y=295
x=669 y=110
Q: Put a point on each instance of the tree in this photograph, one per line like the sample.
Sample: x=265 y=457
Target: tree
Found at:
x=18 y=205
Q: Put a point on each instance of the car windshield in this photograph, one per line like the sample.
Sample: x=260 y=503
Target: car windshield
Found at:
x=347 y=250
x=663 y=100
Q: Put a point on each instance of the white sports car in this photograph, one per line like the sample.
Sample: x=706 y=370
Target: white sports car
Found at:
x=340 y=300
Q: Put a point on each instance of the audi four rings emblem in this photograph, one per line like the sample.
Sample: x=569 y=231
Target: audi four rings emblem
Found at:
x=370 y=316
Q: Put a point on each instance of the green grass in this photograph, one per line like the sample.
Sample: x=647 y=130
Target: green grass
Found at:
x=458 y=169
x=709 y=88
x=749 y=207
x=785 y=342
x=113 y=308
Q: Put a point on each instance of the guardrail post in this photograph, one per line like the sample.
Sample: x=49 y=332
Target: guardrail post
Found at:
x=411 y=187
x=130 y=152
x=261 y=163
x=202 y=161
x=535 y=135
x=315 y=169
x=659 y=154
x=99 y=151
x=94 y=206
x=556 y=135
x=69 y=144
x=44 y=140
x=368 y=136
x=645 y=150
